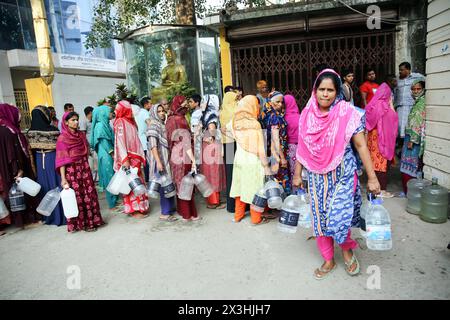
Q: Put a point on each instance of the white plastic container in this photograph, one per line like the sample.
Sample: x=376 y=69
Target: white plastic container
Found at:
x=378 y=226
x=153 y=188
x=28 y=186
x=168 y=186
x=294 y=212
x=69 y=203
x=3 y=209
x=259 y=202
x=273 y=192
x=122 y=180
x=118 y=183
x=49 y=202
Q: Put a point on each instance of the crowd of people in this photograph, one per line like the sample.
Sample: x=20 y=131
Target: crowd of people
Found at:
x=237 y=145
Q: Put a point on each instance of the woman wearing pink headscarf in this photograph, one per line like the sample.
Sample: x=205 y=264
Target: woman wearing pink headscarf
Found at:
x=328 y=127
x=14 y=162
x=72 y=163
x=291 y=116
x=128 y=152
x=381 y=123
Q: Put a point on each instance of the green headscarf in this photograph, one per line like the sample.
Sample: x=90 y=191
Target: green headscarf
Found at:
x=416 y=120
x=100 y=126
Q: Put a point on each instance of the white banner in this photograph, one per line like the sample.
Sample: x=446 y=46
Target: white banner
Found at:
x=87 y=63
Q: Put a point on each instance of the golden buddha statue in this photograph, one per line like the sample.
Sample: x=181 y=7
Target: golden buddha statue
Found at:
x=172 y=74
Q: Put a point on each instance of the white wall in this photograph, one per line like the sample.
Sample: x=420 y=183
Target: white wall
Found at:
x=80 y=90
x=437 y=143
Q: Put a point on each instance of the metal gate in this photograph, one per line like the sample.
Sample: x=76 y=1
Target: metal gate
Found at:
x=22 y=104
x=289 y=66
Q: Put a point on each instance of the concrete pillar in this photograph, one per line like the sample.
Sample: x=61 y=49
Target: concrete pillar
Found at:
x=6 y=85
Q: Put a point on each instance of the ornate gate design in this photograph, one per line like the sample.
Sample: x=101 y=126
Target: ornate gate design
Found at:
x=288 y=66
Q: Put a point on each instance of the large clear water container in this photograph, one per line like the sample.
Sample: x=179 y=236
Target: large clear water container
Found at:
x=135 y=182
x=259 y=202
x=3 y=209
x=378 y=226
x=294 y=208
x=434 y=203
x=415 y=187
x=273 y=192
x=49 y=202
x=69 y=203
x=28 y=186
x=168 y=186
x=154 y=187
x=16 y=199
x=304 y=218
x=186 y=187
x=203 y=185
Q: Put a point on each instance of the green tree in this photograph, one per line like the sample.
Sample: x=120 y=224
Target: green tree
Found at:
x=113 y=17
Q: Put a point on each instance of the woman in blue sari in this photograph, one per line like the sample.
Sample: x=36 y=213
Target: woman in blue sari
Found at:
x=102 y=141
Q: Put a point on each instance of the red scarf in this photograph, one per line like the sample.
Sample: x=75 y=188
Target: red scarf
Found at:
x=10 y=118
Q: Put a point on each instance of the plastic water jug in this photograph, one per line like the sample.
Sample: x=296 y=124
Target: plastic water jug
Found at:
x=16 y=199
x=304 y=218
x=415 y=187
x=49 y=202
x=119 y=183
x=69 y=203
x=168 y=186
x=273 y=193
x=305 y=178
x=434 y=203
x=153 y=188
x=378 y=227
x=135 y=183
x=186 y=187
x=28 y=186
x=203 y=185
x=259 y=202
x=294 y=211
x=3 y=210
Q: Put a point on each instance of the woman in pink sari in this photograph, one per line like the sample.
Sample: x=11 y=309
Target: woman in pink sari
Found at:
x=72 y=163
x=381 y=123
x=128 y=153
x=328 y=127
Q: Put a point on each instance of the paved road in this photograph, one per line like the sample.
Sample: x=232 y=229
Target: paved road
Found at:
x=216 y=259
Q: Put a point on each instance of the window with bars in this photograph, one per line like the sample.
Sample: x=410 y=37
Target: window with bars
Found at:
x=24 y=107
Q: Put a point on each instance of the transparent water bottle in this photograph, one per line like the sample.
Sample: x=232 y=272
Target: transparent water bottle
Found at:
x=3 y=210
x=304 y=218
x=378 y=227
x=273 y=193
x=135 y=183
x=186 y=187
x=153 y=188
x=16 y=199
x=203 y=185
x=415 y=187
x=434 y=203
x=259 y=202
x=289 y=215
x=168 y=186
x=28 y=186
x=49 y=202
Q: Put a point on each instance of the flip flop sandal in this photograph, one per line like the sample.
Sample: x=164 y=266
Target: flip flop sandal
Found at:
x=196 y=218
x=270 y=216
x=212 y=206
x=350 y=263
x=325 y=272
x=169 y=219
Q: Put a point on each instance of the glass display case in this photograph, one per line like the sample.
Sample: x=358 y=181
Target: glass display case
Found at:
x=163 y=59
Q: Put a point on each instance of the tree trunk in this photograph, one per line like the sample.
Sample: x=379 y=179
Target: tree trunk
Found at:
x=185 y=12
